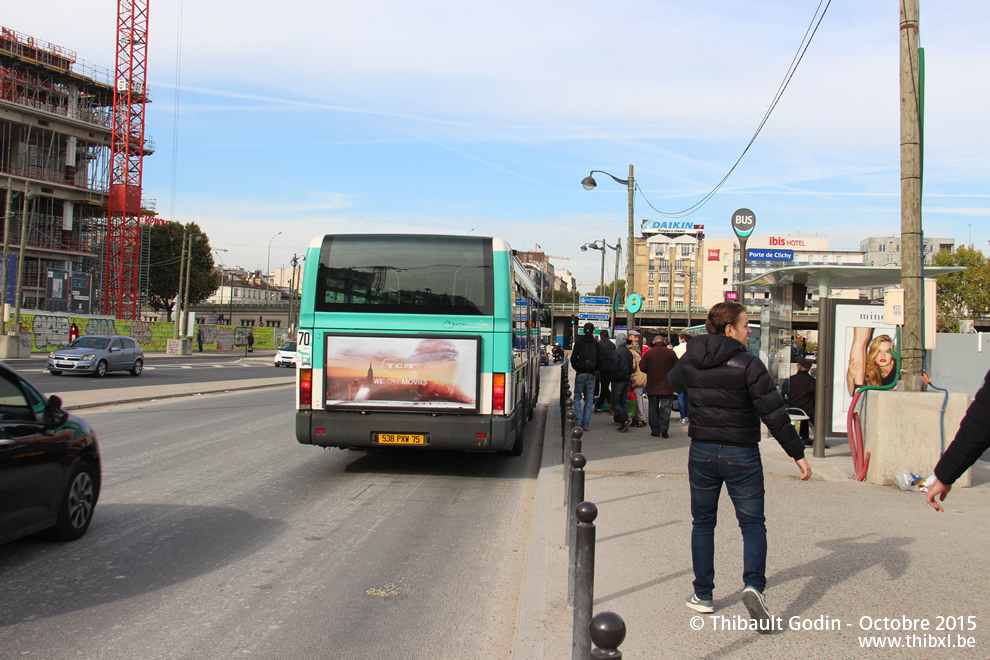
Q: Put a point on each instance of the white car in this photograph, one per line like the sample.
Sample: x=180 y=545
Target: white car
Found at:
x=286 y=356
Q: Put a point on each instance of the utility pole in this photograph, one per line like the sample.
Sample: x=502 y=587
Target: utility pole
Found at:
x=20 y=262
x=615 y=283
x=671 y=253
x=185 y=298
x=911 y=240
x=6 y=247
x=631 y=251
x=178 y=294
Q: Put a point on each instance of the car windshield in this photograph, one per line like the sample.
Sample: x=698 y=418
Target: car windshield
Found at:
x=288 y=346
x=89 y=342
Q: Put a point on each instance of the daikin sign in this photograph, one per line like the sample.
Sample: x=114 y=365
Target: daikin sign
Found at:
x=670 y=226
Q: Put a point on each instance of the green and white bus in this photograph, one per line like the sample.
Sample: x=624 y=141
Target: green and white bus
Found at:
x=420 y=341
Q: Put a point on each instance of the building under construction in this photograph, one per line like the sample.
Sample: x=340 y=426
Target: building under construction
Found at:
x=56 y=131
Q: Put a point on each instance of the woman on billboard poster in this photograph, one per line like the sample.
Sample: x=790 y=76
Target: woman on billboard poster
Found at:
x=870 y=361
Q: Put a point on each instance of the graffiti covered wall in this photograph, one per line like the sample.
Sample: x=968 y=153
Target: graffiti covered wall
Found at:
x=43 y=332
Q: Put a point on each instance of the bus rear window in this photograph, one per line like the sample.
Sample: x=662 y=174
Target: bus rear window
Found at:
x=405 y=274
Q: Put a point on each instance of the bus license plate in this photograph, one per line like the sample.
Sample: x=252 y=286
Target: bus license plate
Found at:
x=401 y=439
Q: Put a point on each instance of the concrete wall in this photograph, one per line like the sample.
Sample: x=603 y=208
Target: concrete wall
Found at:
x=959 y=362
x=902 y=428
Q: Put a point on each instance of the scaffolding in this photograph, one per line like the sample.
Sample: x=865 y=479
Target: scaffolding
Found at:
x=55 y=137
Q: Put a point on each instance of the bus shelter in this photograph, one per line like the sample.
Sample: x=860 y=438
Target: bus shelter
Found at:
x=788 y=293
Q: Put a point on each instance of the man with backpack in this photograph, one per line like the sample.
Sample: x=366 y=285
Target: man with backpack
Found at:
x=586 y=358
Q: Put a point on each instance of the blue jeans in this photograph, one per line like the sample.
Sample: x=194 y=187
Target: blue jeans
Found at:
x=584 y=388
x=682 y=403
x=741 y=469
x=620 y=396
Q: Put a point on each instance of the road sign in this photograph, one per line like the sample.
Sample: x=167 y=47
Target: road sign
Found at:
x=595 y=317
x=594 y=300
x=743 y=222
x=769 y=254
x=634 y=303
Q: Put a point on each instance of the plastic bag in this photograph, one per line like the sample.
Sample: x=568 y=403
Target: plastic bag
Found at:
x=907 y=480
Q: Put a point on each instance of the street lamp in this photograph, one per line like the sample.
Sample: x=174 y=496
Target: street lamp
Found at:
x=184 y=328
x=615 y=283
x=268 y=287
x=589 y=183
x=223 y=267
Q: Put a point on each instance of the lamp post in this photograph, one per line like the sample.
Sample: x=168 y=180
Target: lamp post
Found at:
x=6 y=247
x=223 y=267
x=601 y=283
x=589 y=183
x=185 y=298
x=28 y=195
x=268 y=270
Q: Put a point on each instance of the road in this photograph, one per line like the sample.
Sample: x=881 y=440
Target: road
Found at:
x=157 y=371
x=217 y=535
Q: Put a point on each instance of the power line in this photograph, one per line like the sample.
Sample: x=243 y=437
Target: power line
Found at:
x=792 y=69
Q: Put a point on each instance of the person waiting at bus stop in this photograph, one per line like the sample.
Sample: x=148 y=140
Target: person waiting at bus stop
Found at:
x=621 y=369
x=730 y=392
x=586 y=358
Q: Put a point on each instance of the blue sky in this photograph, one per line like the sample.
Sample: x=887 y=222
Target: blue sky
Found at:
x=439 y=116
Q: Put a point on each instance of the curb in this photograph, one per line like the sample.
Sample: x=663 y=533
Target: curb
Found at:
x=174 y=395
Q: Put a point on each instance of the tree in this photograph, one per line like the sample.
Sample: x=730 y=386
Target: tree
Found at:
x=561 y=297
x=166 y=255
x=964 y=295
x=608 y=288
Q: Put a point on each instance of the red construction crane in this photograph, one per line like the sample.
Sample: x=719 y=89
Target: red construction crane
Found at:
x=123 y=255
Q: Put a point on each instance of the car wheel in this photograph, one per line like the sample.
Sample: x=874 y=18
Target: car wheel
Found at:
x=138 y=367
x=75 y=511
x=55 y=372
x=101 y=369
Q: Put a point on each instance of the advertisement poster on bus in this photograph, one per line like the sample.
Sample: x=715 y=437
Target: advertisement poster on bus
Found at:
x=863 y=345
x=402 y=372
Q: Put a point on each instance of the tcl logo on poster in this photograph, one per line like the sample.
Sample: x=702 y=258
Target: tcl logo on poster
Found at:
x=713 y=255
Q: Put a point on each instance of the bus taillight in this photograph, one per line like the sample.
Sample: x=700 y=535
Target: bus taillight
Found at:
x=498 y=393
x=305 y=387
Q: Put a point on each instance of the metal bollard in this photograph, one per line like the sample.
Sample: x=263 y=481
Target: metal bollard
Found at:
x=607 y=631
x=568 y=402
x=565 y=430
x=578 y=461
x=584 y=579
x=570 y=502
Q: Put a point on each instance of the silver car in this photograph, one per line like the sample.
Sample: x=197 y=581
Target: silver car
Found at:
x=98 y=354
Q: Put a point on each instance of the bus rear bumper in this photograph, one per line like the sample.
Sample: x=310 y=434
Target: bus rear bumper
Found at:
x=360 y=431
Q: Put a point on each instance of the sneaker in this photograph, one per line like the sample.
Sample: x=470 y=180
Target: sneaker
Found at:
x=700 y=605
x=684 y=420
x=757 y=606
x=625 y=426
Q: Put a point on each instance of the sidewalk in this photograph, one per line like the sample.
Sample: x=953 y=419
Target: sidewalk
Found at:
x=838 y=550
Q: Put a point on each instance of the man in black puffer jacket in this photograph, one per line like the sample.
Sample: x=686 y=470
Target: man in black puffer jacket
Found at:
x=729 y=392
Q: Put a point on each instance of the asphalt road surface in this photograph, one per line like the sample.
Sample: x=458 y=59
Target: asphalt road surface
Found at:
x=218 y=536
x=157 y=371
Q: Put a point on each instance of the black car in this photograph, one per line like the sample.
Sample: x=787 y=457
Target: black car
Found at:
x=544 y=358
x=49 y=464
